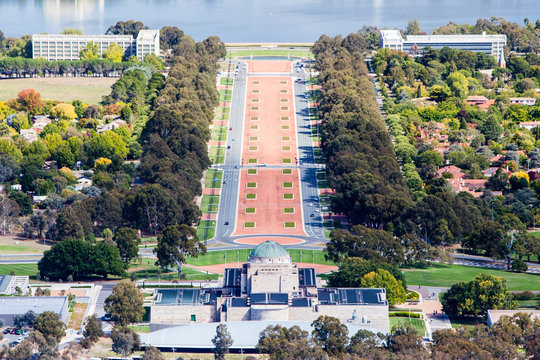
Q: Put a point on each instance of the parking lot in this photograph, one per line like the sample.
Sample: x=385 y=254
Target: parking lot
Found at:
x=14 y=337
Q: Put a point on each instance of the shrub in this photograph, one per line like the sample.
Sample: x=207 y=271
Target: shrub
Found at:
x=519 y=266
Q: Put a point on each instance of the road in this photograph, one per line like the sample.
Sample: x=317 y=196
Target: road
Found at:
x=231 y=169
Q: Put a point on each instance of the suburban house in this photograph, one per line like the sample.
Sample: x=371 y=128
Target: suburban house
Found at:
x=529 y=101
x=481 y=102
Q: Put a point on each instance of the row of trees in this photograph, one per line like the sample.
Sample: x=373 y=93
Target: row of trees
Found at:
x=506 y=339
x=360 y=161
x=23 y=67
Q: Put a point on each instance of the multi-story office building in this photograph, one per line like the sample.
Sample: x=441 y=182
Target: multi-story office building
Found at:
x=414 y=44
x=67 y=47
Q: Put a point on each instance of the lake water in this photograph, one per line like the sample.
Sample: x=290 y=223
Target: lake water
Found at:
x=253 y=20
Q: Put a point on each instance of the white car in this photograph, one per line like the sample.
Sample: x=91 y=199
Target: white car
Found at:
x=310 y=204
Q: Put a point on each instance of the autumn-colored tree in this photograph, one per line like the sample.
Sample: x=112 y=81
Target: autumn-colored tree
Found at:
x=64 y=111
x=90 y=51
x=29 y=100
x=102 y=163
x=114 y=53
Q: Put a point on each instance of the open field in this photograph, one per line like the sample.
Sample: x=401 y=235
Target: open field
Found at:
x=17 y=245
x=447 y=275
x=87 y=89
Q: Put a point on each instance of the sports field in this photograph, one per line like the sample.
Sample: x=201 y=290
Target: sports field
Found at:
x=87 y=89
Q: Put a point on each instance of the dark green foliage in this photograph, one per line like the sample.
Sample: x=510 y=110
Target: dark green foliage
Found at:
x=127 y=241
x=92 y=329
x=125 y=304
x=49 y=324
x=361 y=163
x=377 y=245
x=79 y=259
x=519 y=265
x=125 y=341
x=19 y=67
x=352 y=270
x=477 y=296
x=23 y=200
x=129 y=27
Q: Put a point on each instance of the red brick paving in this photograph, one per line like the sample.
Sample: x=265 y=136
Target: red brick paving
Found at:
x=279 y=240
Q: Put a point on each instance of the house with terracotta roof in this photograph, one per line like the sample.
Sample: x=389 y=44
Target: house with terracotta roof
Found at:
x=481 y=102
x=451 y=169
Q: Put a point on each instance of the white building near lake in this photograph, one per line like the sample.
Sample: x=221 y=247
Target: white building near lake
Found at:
x=67 y=47
x=414 y=44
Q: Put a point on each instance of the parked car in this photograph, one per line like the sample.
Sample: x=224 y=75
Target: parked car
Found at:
x=107 y=317
x=7 y=331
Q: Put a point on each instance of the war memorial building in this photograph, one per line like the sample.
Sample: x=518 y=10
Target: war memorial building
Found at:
x=270 y=287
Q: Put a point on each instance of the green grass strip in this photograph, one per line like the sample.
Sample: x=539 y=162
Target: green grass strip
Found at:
x=447 y=275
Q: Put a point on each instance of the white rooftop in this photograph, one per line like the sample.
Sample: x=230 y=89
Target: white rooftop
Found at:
x=244 y=333
x=391 y=35
x=38 y=304
x=455 y=38
x=147 y=34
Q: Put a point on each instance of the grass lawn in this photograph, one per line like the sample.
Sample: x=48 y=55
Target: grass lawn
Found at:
x=148 y=270
x=251 y=196
x=226 y=256
x=226 y=81
x=288 y=196
x=225 y=95
x=287 y=184
x=252 y=171
x=209 y=203
x=447 y=275
x=140 y=328
x=219 y=133
x=249 y=224
x=286 y=160
x=288 y=210
x=286 y=171
x=252 y=160
x=467 y=322
x=206 y=230
x=213 y=178
x=222 y=113
x=17 y=249
x=19 y=269
x=250 y=210
x=418 y=324
x=251 y=185
x=290 y=224
x=217 y=154
x=87 y=89
x=271 y=52
x=527 y=304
